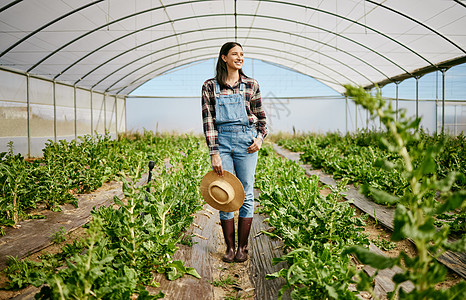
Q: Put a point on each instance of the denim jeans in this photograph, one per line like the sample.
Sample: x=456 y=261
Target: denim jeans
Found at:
x=233 y=142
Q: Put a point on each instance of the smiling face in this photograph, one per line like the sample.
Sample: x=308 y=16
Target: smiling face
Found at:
x=234 y=59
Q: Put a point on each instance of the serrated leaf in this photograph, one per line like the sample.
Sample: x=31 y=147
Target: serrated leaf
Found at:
x=369 y=258
x=453 y=202
x=380 y=197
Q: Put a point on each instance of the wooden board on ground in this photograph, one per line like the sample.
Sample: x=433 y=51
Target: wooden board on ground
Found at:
x=263 y=250
x=384 y=215
x=36 y=234
x=199 y=257
x=383 y=280
x=205 y=256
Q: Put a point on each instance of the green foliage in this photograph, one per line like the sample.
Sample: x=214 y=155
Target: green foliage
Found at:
x=59 y=236
x=414 y=214
x=365 y=158
x=126 y=246
x=384 y=244
x=224 y=281
x=315 y=229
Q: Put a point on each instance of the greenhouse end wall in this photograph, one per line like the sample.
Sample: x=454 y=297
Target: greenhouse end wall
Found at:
x=34 y=110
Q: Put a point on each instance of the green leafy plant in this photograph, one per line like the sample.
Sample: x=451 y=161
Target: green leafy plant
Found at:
x=314 y=229
x=415 y=209
x=59 y=236
x=384 y=244
x=124 y=247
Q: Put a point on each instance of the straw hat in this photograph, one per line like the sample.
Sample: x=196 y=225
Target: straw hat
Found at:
x=223 y=193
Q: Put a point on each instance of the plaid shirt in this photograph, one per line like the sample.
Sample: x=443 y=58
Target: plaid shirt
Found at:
x=253 y=103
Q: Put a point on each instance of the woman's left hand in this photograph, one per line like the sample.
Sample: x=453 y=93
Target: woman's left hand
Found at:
x=255 y=146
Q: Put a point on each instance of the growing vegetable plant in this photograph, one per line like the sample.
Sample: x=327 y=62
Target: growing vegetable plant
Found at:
x=126 y=246
x=315 y=230
x=415 y=208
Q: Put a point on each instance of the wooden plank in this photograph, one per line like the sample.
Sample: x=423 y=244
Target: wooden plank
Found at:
x=384 y=215
x=35 y=235
x=263 y=249
x=383 y=280
x=199 y=257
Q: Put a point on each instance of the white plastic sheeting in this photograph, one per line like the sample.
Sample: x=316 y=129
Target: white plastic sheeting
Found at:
x=115 y=46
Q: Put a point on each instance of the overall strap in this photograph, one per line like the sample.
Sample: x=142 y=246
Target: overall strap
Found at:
x=217 y=88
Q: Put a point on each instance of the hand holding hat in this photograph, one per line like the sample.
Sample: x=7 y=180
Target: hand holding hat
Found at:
x=224 y=193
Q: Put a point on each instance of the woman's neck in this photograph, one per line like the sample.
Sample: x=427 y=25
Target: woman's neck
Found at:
x=232 y=78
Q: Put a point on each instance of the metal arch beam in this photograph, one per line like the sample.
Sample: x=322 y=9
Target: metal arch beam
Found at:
x=197 y=58
x=349 y=20
x=193 y=17
x=177 y=45
x=221 y=28
x=420 y=72
x=460 y=3
x=9 y=5
x=420 y=23
x=213 y=57
x=106 y=25
x=208 y=47
x=47 y=25
x=173 y=35
x=210 y=57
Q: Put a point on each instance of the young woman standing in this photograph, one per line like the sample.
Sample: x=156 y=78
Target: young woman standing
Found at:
x=234 y=125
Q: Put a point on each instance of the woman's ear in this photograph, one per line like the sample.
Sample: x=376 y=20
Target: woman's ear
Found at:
x=224 y=58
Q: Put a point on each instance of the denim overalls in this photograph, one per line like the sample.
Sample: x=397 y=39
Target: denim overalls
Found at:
x=235 y=135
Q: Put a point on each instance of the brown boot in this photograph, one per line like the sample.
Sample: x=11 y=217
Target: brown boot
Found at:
x=244 y=226
x=228 y=227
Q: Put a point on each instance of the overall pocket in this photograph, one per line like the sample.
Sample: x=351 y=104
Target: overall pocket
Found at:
x=230 y=108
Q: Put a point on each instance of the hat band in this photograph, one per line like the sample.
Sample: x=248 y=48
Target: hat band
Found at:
x=221 y=192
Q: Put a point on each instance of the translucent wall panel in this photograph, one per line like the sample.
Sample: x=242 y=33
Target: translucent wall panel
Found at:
x=110 y=115
x=121 y=112
x=65 y=112
x=83 y=112
x=13 y=112
x=41 y=114
x=98 y=113
x=55 y=111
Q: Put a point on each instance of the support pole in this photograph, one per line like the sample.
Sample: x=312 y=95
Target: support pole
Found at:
x=356 y=119
x=417 y=96
x=92 y=114
x=436 y=102
x=396 y=101
x=28 y=96
x=105 y=112
x=116 y=117
x=54 y=111
x=346 y=114
x=75 y=114
x=443 y=100
x=126 y=120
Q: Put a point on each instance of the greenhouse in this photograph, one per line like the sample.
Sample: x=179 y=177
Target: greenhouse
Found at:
x=108 y=136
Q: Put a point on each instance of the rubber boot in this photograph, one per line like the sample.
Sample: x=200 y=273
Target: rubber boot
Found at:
x=244 y=226
x=228 y=227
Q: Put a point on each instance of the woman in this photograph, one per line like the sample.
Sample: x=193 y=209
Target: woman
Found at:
x=234 y=126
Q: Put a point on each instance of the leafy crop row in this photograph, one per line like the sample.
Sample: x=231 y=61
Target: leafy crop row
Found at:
x=415 y=208
x=360 y=157
x=67 y=169
x=315 y=230
x=124 y=247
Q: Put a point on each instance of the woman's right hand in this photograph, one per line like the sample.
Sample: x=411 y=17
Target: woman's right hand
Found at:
x=217 y=164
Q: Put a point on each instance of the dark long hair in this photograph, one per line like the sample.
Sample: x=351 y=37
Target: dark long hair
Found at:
x=222 y=71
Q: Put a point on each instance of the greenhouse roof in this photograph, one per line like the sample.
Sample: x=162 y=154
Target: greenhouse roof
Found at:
x=115 y=46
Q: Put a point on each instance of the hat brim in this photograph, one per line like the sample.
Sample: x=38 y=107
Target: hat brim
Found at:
x=237 y=201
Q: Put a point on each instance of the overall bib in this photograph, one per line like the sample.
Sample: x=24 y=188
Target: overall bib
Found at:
x=235 y=135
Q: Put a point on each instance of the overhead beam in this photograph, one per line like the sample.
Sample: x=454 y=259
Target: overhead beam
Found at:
x=420 y=72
